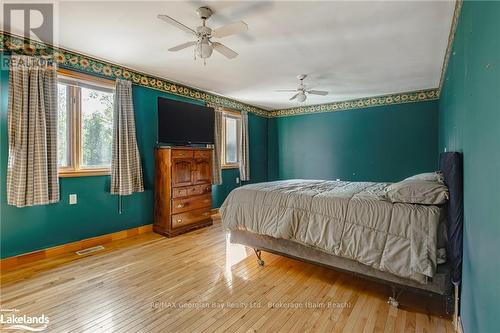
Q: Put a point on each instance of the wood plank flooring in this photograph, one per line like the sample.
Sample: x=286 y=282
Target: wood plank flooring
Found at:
x=197 y=282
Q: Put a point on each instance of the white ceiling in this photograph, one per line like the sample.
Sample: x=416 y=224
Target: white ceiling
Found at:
x=352 y=49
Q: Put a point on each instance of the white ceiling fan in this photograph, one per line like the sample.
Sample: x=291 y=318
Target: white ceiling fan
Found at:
x=204 y=45
x=301 y=92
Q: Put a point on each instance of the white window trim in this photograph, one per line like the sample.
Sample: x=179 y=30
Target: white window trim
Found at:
x=237 y=116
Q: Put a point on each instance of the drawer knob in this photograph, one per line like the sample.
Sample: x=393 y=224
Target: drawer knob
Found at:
x=205 y=214
x=179 y=221
x=180 y=205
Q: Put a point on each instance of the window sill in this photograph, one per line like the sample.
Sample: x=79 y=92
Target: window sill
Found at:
x=84 y=173
x=230 y=166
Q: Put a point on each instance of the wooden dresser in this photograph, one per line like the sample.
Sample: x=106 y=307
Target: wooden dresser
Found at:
x=183 y=189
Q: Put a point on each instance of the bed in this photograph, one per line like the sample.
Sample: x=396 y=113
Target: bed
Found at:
x=351 y=226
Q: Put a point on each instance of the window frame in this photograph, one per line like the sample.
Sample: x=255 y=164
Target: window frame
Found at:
x=74 y=81
x=237 y=116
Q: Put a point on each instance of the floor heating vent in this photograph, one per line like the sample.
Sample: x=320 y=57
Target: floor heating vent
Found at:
x=90 y=250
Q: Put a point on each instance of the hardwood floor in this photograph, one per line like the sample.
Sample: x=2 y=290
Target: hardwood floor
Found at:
x=197 y=282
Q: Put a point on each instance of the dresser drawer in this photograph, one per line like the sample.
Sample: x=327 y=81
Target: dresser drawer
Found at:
x=193 y=190
x=205 y=154
x=204 y=189
x=190 y=203
x=197 y=190
x=178 y=153
x=191 y=217
x=179 y=192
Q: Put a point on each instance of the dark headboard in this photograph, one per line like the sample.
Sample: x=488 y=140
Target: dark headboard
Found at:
x=451 y=166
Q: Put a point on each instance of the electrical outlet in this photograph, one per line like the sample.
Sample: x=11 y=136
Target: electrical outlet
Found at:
x=72 y=199
x=237 y=180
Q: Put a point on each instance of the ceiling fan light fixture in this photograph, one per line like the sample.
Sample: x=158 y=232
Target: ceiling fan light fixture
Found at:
x=204 y=49
x=301 y=97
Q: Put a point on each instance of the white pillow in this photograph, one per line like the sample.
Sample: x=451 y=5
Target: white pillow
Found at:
x=418 y=192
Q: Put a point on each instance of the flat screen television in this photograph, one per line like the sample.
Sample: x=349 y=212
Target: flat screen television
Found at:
x=184 y=123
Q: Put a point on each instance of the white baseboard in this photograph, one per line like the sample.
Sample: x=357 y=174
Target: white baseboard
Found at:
x=460 y=328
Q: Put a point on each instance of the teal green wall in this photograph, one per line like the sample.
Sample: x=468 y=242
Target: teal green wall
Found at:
x=385 y=143
x=272 y=149
x=470 y=122
x=27 y=229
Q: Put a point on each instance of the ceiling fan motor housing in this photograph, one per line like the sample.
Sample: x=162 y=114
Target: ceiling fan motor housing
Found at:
x=203 y=31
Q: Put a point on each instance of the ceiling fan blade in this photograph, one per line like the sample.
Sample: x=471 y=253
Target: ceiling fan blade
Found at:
x=294 y=97
x=177 y=24
x=224 y=50
x=181 y=46
x=230 y=29
x=286 y=90
x=318 y=92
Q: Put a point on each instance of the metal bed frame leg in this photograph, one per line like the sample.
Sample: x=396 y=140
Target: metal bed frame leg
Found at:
x=393 y=300
x=455 y=312
x=258 y=253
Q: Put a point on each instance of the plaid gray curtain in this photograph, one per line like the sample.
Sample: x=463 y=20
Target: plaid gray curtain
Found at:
x=244 y=152
x=216 y=152
x=32 y=177
x=126 y=170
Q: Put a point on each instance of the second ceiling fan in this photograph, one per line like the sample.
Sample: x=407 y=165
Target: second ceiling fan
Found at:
x=204 y=45
x=301 y=92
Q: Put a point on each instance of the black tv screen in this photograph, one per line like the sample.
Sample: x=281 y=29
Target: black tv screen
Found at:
x=184 y=123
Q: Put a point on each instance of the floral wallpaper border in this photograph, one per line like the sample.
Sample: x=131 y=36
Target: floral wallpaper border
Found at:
x=76 y=61
x=410 y=97
x=72 y=60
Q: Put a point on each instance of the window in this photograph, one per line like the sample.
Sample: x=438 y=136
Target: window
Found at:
x=231 y=128
x=85 y=125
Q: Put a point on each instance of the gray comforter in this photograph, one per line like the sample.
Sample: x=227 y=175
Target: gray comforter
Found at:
x=348 y=219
